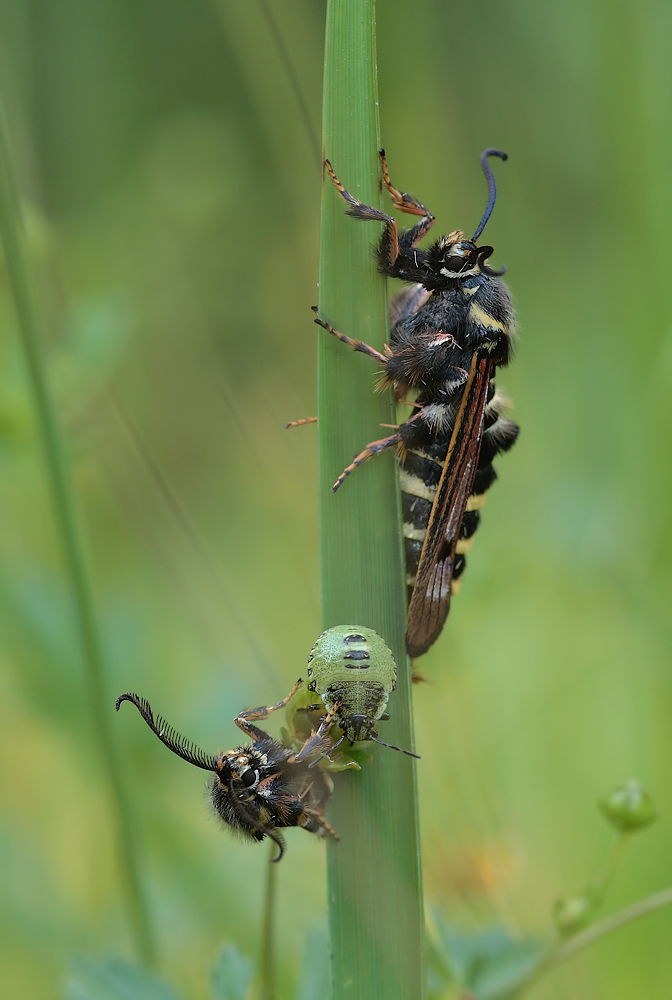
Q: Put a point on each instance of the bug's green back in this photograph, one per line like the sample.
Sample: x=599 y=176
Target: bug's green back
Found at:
x=352 y=666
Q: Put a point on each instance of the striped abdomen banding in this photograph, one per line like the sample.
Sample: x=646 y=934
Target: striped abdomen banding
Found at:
x=421 y=470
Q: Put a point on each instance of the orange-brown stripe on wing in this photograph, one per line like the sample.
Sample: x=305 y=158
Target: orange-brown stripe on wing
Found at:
x=431 y=595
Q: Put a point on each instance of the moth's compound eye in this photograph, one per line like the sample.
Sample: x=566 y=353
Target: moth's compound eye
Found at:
x=250 y=778
x=454 y=263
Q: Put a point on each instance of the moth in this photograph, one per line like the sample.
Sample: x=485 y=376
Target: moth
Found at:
x=449 y=332
x=261 y=787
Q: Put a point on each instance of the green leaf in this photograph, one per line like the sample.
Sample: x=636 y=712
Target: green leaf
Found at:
x=114 y=979
x=489 y=963
x=231 y=975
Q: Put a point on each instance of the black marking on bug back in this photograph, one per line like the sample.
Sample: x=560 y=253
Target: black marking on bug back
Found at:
x=359 y=655
x=348 y=638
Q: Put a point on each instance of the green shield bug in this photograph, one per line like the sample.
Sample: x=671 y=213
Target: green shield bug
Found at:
x=353 y=671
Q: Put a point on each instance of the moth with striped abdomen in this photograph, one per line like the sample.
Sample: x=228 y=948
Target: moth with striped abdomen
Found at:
x=449 y=332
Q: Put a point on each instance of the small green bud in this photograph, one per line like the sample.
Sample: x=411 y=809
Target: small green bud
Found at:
x=571 y=914
x=629 y=807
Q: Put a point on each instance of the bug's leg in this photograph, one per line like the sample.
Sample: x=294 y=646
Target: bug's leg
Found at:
x=310 y=708
x=249 y=715
x=405 y=202
x=300 y=423
x=371 y=449
x=389 y=241
x=356 y=345
x=318 y=739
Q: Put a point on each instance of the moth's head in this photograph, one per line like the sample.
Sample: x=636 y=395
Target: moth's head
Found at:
x=239 y=800
x=240 y=769
x=453 y=258
x=457 y=258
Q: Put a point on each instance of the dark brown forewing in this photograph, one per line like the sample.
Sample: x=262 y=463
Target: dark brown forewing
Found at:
x=431 y=595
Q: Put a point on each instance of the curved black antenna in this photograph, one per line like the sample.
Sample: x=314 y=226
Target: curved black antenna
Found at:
x=169 y=736
x=392 y=747
x=244 y=815
x=483 y=254
x=492 y=189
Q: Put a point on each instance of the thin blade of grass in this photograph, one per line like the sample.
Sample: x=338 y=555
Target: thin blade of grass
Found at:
x=375 y=896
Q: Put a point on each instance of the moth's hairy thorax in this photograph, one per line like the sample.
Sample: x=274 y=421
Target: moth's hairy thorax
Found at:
x=474 y=315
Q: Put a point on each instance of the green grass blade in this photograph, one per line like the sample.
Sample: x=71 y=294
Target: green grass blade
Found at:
x=68 y=528
x=375 y=897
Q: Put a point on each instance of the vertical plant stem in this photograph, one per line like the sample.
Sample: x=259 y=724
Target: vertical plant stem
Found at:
x=600 y=882
x=375 y=897
x=67 y=525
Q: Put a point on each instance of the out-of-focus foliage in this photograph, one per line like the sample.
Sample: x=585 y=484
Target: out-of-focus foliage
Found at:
x=172 y=206
x=114 y=979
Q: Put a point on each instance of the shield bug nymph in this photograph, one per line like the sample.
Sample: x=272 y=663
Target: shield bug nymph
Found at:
x=261 y=786
x=353 y=671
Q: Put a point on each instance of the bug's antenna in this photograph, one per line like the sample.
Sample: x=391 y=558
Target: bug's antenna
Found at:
x=169 y=736
x=244 y=815
x=392 y=747
x=492 y=189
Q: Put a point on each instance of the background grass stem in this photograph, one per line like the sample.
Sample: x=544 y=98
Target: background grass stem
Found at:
x=267 y=962
x=100 y=702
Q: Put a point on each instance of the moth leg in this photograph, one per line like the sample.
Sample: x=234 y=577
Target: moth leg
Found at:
x=405 y=202
x=389 y=241
x=310 y=819
x=300 y=423
x=356 y=345
x=371 y=449
x=250 y=715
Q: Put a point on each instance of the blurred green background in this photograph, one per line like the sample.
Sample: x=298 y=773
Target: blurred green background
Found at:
x=172 y=193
